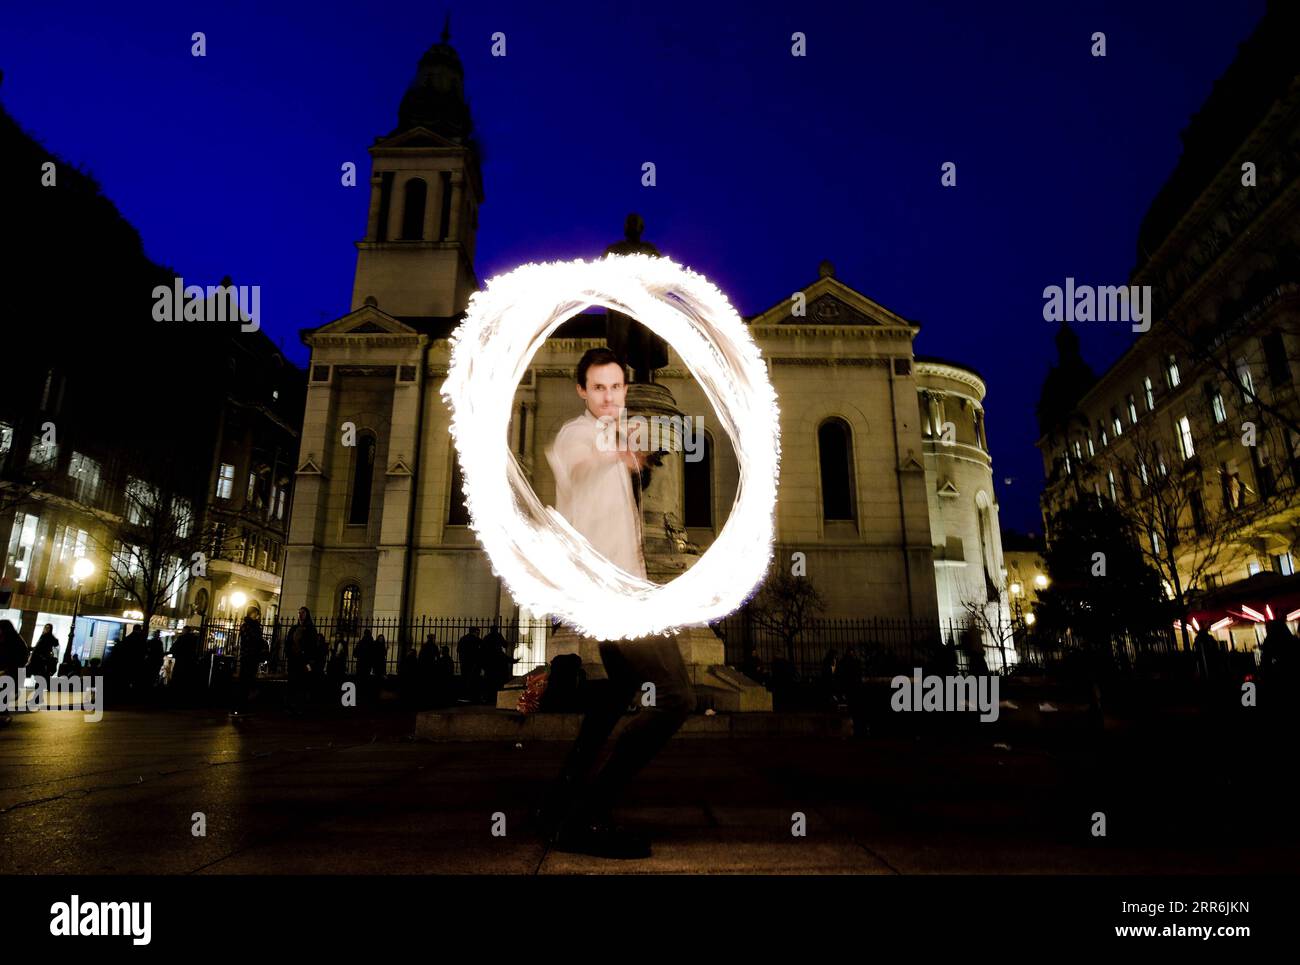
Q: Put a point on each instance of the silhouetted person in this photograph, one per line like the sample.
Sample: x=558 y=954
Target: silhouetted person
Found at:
x=338 y=664
x=495 y=661
x=14 y=654
x=379 y=662
x=565 y=685
x=153 y=661
x=45 y=655
x=364 y=653
x=752 y=666
x=973 y=645
x=445 y=687
x=300 y=650
x=251 y=650
x=1208 y=652
x=427 y=671
x=467 y=652
x=1278 y=657
x=785 y=678
x=185 y=674
x=123 y=667
x=848 y=675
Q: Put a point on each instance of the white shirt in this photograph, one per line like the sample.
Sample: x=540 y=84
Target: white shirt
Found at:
x=593 y=490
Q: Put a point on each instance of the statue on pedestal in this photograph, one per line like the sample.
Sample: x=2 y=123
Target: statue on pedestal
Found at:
x=642 y=349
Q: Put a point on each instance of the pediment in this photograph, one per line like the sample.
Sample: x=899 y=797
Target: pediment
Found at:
x=416 y=137
x=366 y=320
x=828 y=301
x=948 y=489
x=309 y=466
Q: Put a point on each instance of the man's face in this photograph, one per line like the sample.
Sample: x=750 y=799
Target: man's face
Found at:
x=605 y=391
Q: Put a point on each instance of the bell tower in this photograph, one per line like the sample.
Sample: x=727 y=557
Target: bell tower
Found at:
x=417 y=258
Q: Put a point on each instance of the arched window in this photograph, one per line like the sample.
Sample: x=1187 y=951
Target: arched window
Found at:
x=413 y=209
x=835 y=451
x=363 y=472
x=349 y=606
x=697 y=478
x=458 y=513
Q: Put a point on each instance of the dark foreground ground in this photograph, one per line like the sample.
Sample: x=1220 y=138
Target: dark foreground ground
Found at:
x=355 y=794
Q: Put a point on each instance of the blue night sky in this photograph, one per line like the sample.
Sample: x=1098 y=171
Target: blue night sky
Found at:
x=767 y=163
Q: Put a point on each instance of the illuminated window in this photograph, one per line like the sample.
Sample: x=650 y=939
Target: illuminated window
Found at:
x=85 y=473
x=226 y=481
x=349 y=606
x=1244 y=381
x=1185 y=438
x=1216 y=405
x=22 y=544
x=1148 y=390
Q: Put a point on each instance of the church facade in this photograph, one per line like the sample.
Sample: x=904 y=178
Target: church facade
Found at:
x=886 y=480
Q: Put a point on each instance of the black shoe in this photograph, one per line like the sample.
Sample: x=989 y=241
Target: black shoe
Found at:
x=602 y=841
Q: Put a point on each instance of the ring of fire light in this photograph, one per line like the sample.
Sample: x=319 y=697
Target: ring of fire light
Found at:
x=545 y=563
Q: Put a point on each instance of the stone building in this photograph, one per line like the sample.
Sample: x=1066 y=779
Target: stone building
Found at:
x=379 y=526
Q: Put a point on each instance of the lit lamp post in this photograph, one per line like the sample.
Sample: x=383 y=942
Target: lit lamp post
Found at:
x=237 y=601
x=82 y=570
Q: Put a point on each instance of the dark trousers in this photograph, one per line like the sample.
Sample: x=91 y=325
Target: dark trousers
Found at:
x=630 y=665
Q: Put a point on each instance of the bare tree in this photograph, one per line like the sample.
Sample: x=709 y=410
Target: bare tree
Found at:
x=993 y=620
x=786 y=605
x=151 y=549
x=1158 y=489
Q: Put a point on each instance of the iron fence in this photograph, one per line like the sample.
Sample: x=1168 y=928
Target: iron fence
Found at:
x=397 y=636
x=880 y=646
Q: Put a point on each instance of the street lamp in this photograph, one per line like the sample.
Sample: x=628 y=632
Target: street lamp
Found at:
x=237 y=600
x=1040 y=581
x=82 y=570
